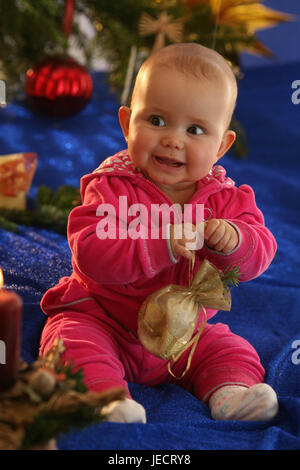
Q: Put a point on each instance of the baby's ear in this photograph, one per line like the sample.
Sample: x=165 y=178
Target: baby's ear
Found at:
x=227 y=141
x=124 y=119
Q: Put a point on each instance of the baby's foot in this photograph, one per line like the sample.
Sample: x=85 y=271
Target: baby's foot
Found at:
x=256 y=403
x=124 y=411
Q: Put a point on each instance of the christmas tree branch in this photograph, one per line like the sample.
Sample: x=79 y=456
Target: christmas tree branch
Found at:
x=230 y=276
x=51 y=210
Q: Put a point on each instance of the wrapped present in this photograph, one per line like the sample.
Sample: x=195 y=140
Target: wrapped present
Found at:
x=16 y=175
x=168 y=317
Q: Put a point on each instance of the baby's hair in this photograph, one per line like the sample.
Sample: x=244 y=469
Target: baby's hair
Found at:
x=196 y=60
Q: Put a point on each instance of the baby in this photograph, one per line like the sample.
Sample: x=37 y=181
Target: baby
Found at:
x=176 y=128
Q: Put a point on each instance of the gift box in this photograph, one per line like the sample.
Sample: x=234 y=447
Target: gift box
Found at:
x=16 y=175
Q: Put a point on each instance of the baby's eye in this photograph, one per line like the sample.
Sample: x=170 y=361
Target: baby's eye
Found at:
x=196 y=130
x=157 y=121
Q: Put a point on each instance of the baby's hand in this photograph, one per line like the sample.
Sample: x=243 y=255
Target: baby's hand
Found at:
x=184 y=239
x=220 y=235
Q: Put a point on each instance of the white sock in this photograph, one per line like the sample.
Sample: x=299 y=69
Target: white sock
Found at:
x=233 y=402
x=124 y=411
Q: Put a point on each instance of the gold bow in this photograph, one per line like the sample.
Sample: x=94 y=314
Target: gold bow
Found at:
x=161 y=26
x=169 y=316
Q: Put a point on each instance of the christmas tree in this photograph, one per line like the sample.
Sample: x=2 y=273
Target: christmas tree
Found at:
x=125 y=33
x=125 y=30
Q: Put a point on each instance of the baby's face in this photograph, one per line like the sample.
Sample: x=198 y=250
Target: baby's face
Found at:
x=176 y=127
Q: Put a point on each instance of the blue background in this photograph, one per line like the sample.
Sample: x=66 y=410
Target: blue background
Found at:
x=283 y=40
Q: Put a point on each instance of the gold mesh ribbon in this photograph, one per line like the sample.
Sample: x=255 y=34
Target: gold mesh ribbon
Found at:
x=169 y=316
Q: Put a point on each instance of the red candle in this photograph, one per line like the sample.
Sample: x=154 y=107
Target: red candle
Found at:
x=10 y=335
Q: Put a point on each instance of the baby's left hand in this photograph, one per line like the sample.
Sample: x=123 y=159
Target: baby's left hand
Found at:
x=220 y=235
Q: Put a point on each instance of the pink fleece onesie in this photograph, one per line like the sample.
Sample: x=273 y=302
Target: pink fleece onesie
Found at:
x=95 y=310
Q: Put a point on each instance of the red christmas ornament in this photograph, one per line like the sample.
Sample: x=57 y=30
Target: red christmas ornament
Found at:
x=58 y=86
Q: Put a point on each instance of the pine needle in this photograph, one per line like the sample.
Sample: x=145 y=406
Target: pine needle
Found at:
x=230 y=276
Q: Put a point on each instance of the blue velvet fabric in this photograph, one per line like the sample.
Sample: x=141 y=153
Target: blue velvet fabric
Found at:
x=265 y=311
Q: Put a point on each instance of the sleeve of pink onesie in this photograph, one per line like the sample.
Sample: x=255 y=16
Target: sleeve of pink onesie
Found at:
x=257 y=246
x=112 y=259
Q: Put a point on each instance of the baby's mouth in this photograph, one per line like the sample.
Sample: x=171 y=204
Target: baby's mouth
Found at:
x=168 y=161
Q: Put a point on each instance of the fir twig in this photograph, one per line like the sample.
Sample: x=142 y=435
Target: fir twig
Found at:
x=48 y=425
x=8 y=225
x=51 y=210
x=230 y=276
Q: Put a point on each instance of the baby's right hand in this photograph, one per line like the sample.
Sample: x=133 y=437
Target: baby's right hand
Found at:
x=183 y=239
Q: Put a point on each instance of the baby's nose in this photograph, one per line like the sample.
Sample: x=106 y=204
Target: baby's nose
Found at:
x=172 y=142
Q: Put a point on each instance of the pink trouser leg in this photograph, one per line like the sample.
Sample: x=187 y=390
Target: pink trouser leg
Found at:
x=221 y=358
x=88 y=346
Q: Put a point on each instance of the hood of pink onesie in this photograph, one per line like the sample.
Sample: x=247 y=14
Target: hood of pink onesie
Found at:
x=122 y=165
